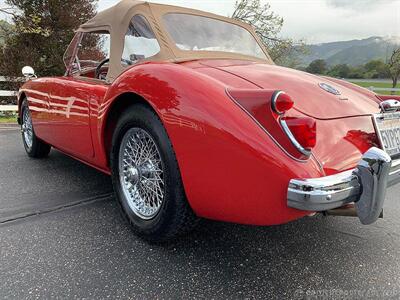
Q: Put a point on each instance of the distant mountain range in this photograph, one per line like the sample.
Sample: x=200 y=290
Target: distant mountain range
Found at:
x=354 y=53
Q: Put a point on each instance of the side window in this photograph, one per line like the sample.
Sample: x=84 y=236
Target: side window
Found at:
x=93 y=49
x=70 y=53
x=140 y=41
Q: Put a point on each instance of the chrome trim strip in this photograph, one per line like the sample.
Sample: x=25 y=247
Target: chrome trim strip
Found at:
x=366 y=185
x=285 y=127
x=273 y=101
x=321 y=167
x=293 y=140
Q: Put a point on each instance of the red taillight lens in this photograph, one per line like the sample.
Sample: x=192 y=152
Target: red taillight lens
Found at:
x=272 y=111
x=281 y=102
x=303 y=130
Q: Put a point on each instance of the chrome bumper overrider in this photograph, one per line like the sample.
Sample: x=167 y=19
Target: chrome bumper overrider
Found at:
x=366 y=186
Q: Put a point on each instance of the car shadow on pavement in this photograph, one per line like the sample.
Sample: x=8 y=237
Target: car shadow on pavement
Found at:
x=91 y=251
x=311 y=255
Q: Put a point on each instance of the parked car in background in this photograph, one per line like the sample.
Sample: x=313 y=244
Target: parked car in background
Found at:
x=192 y=119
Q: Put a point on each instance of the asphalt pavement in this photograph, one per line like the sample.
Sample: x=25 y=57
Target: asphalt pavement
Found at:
x=61 y=236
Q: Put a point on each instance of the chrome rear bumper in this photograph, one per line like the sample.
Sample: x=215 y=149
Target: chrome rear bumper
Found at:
x=366 y=185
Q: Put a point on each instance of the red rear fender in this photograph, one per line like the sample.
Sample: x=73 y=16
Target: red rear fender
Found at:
x=231 y=169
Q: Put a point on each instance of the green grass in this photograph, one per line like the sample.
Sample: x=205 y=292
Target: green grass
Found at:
x=10 y=120
x=367 y=84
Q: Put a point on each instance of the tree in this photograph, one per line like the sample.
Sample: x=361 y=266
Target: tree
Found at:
x=268 y=25
x=394 y=66
x=42 y=31
x=376 y=69
x=357 y=72
x=339 y=71
x=317 y=66
x=5 y=30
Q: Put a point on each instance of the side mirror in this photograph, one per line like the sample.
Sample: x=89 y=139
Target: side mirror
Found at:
x=28 y=72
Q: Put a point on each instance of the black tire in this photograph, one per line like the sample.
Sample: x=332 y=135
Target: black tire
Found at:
x=38 y=148
x=175 y=217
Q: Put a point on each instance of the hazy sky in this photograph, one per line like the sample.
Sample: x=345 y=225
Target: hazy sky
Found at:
x=315 y=20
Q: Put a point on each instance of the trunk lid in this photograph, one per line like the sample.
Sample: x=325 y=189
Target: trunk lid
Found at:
x=310 y=98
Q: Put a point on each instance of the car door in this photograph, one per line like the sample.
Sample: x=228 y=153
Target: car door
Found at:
x=72 y=95
x=70 y=116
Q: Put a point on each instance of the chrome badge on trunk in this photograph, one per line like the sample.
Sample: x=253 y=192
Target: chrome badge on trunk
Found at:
x=330 y=89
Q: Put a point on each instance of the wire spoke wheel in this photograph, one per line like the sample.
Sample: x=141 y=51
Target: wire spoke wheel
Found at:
x=27 y=128
x=141 y=173
x=34 y=147
x=146 y=177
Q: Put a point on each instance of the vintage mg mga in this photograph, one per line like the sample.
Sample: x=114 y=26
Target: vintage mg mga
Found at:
x=192 y=119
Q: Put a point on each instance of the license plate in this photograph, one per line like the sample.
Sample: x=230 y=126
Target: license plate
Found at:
x=388 y=128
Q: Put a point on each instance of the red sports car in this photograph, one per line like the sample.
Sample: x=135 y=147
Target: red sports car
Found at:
x=192 y=119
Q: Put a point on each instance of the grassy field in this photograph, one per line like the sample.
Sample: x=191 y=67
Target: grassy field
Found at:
x=9 y=120
x=367 y=84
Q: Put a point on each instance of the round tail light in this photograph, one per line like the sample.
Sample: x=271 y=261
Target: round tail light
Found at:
x=281 y=102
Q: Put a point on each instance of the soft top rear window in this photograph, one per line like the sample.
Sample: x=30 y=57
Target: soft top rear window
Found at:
x=198 y=33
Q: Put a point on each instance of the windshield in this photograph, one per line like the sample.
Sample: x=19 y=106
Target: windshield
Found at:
x=197 y=33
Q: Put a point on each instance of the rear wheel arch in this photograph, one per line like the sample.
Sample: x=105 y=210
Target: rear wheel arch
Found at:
x=119 y=105
x=174 y=216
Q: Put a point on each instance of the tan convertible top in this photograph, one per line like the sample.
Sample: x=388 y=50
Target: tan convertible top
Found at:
x=116 y=19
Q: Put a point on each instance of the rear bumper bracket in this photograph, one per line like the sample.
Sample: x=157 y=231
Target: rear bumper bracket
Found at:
x=366 y=186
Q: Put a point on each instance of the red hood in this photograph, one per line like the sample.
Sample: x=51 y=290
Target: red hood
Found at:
x=304 y=88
